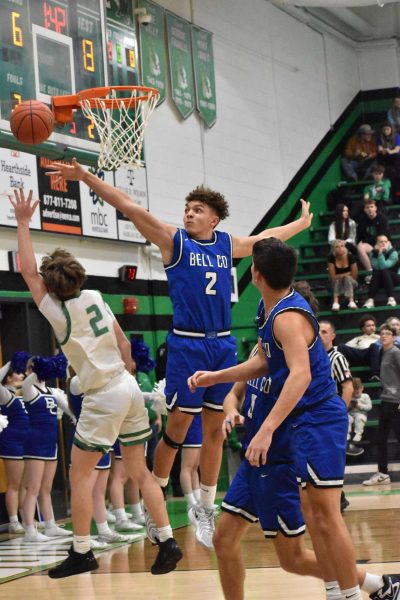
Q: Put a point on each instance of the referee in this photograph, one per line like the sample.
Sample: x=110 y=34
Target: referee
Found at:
x=340 y=372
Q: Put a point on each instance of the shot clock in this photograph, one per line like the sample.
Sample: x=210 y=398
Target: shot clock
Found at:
x=127 y=273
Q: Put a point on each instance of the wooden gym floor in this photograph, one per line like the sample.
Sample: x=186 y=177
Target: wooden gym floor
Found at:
x=373 y=519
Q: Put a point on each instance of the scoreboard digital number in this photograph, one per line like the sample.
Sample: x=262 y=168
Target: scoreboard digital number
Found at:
x=58 y=47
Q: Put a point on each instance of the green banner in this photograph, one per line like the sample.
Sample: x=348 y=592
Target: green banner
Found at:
x=152 y=49
x=180 y=64
x=204 y=76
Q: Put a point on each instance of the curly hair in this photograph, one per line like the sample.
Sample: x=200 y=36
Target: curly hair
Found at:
x=62 y=274
x=214 y=200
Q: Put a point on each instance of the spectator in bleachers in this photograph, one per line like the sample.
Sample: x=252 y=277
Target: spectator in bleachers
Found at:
x=343 y=228
x=343 y=273
x=380 y=190
x=389 y=415
x=370 y=224
x=360 y=154
x=393 y=114
x=384 y=261
x=360 y=404
x=394 y=323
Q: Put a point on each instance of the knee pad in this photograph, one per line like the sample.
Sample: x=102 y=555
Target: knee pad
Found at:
x=171 y=443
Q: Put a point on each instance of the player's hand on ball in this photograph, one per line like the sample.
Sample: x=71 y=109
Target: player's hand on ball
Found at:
x=72 y=172
x=231 y=420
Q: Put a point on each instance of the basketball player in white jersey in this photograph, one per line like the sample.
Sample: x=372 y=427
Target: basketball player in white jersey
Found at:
x=113 y=406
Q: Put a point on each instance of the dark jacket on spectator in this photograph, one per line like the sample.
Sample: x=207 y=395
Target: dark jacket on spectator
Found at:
x=368 y=229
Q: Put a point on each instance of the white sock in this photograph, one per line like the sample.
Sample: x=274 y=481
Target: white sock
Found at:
x=136 y=509
x=190 y=499
x=103 y=528
x=162 y=481
x=333 y=590
x=353 y=593
x=13 y=518
x=164 y=533
x=30 y=529
x=372 y=583
x=81 y=543
x=120 y=514
x=207 y=494
x=50 y=523
x=196 y=493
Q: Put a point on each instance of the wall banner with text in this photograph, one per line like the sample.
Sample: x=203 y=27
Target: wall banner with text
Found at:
x=204 y=75
x=180 y=64
x=152 y=49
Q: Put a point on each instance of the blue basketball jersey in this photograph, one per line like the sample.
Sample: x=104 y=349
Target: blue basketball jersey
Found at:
x=199 y=278
x=257 y=405
x=322 y=385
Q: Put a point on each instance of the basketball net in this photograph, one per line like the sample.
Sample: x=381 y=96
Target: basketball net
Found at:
x=120 y=124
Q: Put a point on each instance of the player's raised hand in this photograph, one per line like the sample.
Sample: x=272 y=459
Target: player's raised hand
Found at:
x=23 y=207
x=306 y=216
x=200 y=379
x=72 y=172
x=232 y=419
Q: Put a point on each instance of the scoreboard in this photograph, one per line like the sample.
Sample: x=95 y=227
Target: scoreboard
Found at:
x=58 y=47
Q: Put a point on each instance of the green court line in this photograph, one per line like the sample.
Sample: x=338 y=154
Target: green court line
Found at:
x=374 y=493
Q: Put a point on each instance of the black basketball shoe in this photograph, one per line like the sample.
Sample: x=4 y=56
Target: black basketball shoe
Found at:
x=168 y=556
x=74 y=564
x=390 y=589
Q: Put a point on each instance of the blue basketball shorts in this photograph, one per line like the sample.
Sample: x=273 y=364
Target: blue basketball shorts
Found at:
x=268 y=494
x=187 y=355
x=194 y=436
x=319 y=444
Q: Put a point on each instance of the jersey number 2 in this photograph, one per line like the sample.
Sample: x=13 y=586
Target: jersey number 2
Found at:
x=94 y=320
x=213 y=280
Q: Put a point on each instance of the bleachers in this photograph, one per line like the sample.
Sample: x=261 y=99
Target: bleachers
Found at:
x=312 y=266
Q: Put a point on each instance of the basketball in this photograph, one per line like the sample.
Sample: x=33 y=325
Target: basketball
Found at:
x=31 y=122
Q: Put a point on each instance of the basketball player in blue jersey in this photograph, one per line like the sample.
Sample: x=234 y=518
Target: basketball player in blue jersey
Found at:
x=291 y=352
x=197 y=261
x=113 y=407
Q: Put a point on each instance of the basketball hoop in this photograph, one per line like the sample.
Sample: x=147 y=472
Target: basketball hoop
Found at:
x=120 y=115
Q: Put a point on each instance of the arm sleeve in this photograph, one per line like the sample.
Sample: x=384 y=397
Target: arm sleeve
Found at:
x=4 y=370
x=5 y=395
x=29 y=392
x=62 y=402
x=75 y=386
x=353 y=231
x=365 y=402
x=331 y=233
x=386 y=262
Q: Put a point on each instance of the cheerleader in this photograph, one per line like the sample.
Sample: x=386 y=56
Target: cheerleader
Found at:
x=40 y=452
x=12 y=439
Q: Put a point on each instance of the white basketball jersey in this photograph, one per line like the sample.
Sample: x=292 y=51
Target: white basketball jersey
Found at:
x=90 y=343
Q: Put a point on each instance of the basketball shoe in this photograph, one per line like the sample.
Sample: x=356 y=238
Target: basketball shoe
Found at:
x=74 y=564
x=390 y=590
x=167 y=558
x=203 y=518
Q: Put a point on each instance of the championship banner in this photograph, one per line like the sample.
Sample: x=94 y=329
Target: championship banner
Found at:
x=152 y=49
x=60 y=205
x=99 y=219
x=204 y=76
x=134 y=183
x=18 y=170
x=180 y=64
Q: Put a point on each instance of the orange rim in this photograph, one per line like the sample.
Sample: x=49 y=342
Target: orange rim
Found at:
x=63 y=106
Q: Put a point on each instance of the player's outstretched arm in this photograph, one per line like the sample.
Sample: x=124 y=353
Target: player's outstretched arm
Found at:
x=150 y=227
x=24 y=209
x=250 y=369
x=243 y=246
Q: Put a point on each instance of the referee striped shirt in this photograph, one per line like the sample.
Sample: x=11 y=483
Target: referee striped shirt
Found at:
x=340 y=369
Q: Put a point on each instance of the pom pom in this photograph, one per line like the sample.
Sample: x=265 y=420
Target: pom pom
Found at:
x=49 y=368
x=140 y=353
x=19 y=360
